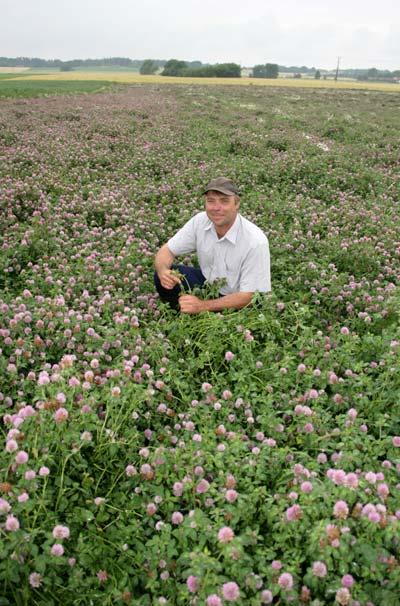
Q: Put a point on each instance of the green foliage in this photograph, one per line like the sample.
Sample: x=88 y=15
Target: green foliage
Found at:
x=39 y=88
x=226 y=70
x=148 y=67
x=32 y=243
x=269 y=70
x=205 y=71
x=174 y=67
x=219 y=70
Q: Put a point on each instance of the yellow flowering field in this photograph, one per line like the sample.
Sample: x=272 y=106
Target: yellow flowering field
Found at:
x=135 y=78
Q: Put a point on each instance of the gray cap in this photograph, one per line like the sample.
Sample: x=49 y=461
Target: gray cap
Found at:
x=222 y=184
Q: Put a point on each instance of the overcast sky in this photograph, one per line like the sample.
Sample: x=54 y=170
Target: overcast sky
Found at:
x=364 y=33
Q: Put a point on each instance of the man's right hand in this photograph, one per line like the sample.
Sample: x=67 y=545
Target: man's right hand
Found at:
x=168 y=279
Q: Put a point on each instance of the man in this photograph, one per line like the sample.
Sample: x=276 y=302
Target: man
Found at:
x=227 y=246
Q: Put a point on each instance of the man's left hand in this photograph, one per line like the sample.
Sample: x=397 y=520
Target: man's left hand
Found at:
x=190 y=304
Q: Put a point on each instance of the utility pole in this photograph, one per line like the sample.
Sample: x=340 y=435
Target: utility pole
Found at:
x=337 y=69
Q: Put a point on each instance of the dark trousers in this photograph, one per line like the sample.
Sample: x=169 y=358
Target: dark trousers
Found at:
x=193 y=277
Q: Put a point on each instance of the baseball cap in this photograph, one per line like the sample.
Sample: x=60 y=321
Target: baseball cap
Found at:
x=222 y=184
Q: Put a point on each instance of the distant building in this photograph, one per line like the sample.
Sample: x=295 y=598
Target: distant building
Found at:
x=246 y=72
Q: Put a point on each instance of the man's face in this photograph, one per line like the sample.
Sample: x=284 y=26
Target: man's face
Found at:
x=221 y=209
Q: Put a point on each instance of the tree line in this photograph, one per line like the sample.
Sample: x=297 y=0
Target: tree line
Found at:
x=175 y=67
x=37 y=62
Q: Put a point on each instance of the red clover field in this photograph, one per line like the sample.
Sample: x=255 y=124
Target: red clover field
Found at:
x=153 y=458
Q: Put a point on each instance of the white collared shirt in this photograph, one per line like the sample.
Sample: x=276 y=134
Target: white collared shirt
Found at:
x=241 y=256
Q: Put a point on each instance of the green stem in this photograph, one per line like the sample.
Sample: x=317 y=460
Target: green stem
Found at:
x=60 y=491
x=113 y=485
x=188 y=285
x=41 y=506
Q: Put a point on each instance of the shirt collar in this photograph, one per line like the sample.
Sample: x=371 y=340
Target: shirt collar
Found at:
x=232 y=232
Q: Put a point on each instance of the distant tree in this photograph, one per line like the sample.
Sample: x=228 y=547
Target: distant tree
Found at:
x=66 y=67
x=227 y=70
x=174 y=67
x=220 y=70
x=372 y=73
x=195 y=64
x=298 y=75
x=205 y=71
x=291 y=69
x=148 y=67
x=317 y=75
x=259 y=71
x=271 y=70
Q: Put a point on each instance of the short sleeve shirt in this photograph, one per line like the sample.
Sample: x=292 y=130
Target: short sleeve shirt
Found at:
x=241 y=256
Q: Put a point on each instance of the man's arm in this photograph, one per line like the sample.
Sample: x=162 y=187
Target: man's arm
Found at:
x=163 y=261
x=193 y=305
x=184 y=241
